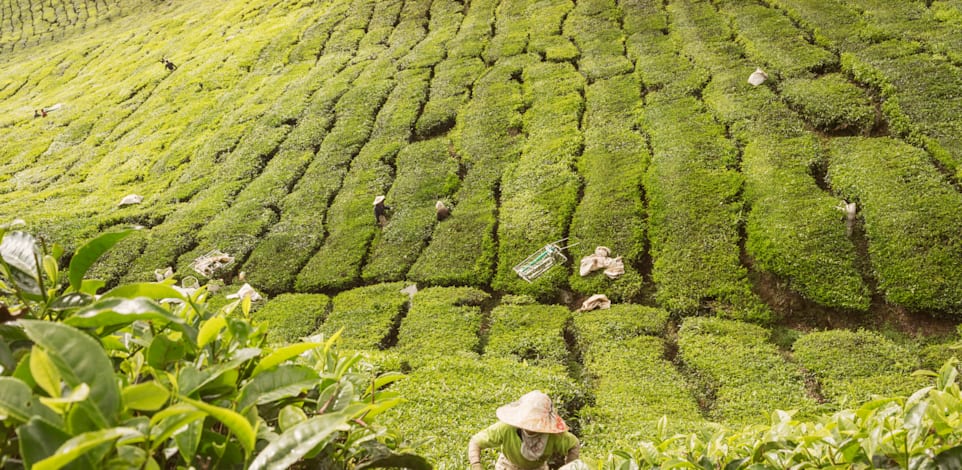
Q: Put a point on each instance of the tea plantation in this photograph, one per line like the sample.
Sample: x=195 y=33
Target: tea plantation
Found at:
x=629 y=124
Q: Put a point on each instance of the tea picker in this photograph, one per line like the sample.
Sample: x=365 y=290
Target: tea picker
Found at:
x=528 y=433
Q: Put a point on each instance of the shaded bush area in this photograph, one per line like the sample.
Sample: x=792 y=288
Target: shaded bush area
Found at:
x=873 y=365
x=743 y=372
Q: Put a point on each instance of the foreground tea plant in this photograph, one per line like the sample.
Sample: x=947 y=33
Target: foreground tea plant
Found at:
x=923 y=431
x=146 y=375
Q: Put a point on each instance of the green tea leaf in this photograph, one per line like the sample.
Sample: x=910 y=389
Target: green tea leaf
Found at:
x=17 y=402
x=19 y=251
x=80 y=359
x=38 y=440
x=283 y=382
x=281 y=355
x=234 y=421
x=210 y=329
x=147 y=396
x=297 y=441
x=124 y=311
x=44 y=372
x=81 y=444
x=89 y=252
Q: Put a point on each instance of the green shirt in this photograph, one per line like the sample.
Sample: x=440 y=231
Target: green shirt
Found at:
x=506 y=437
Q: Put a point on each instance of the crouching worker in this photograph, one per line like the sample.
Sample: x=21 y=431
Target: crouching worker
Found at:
x=528 y=434
x=380 y=211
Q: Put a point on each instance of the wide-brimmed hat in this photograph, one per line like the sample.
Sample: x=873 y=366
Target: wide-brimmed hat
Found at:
x=378 y=200
x=533 y=412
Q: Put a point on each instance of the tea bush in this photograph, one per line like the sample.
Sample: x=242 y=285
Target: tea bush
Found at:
x=366 y=314
x=350 y=221
x=290 y=317
x=529 y=333
x=743 y=372
x=443 y=321
x=475 y=31
x=450 y=89
x=149 y=376
x=772 y=41
x=693 y=212
x=621 y=322
x=511 y=25
x=791 y=215
x=462 y=249
x=830 y=102
x=873 y=365
x=425 y=173
x=611 y=212
x=540 y=192
x=595 y=28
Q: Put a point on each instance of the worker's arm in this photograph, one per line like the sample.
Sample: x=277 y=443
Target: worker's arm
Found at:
x=573 y=453
x=474 y=453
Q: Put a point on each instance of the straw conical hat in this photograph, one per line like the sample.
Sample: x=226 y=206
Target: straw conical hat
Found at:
x=757 y=77
x=378 y=200
x=533 y=412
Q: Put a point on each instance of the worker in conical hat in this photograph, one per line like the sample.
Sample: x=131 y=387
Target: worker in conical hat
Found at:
x=380 y=211
x=528 y=433
x=441 y=210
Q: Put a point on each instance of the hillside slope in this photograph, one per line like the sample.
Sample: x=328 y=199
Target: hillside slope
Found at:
x=628 y=124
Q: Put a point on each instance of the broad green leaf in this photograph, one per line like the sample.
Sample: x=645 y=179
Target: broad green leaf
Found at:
x=147 y=396
x=80 y=359
x=61 y=404
x=44 y=372
x=281 y=355
x=163 y=350
x=124 y=311
x=188 y=439
x=18 y=402
x=239 y=425
x=210 y=329
x=297 y=441
x=81 y=444
x=289 y=416
x=336 y=396
x=283 y=382
x=950 y=459
x=19 y=252
x=191 y=379
x=91 y=286
x=71 y=301
x=39 y=440
x=151 y=290
x=89 y=252
x=384 y=379
x=50 y=268
x=171 y=420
